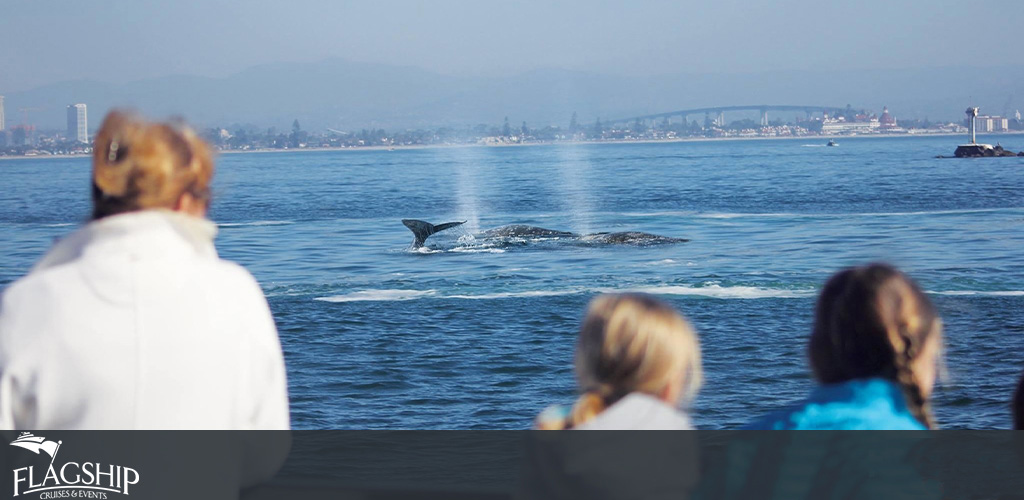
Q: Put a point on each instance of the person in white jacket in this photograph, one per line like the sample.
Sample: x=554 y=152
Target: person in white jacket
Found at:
x=133 y=322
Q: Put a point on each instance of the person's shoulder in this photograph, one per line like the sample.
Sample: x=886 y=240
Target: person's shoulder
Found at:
x=36 y=285
x=835 y=416
x=638 y=411
x=228 y=273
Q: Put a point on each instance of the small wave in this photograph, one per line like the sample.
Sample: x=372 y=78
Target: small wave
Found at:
x=712 y=291
x=256 y=223
x=379 y=296
x=396 y=295
x=995 y=293
x=477 y=250
x=736 y=216
x=62 y=224
x=514 y=295
x=931 y=212
x=720 y=215
x=811 y=215
x=724 y=292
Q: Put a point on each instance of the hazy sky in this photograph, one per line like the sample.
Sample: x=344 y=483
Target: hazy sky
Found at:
x=45 y=41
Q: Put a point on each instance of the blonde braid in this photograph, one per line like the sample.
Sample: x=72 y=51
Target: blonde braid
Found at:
x=588 y=406
x=918 y=405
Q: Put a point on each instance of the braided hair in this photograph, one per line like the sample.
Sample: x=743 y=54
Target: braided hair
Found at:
x=874 y=321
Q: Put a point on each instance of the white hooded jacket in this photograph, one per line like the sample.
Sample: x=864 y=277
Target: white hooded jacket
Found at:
x=640 y=412
x=615 y=464
x=133 y=322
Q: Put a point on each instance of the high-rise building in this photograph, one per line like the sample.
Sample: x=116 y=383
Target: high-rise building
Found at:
x=1 y=113
x=992 y=124
x=78 y=123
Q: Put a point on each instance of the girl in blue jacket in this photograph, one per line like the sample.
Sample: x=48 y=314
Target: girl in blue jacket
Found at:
x=874 y=350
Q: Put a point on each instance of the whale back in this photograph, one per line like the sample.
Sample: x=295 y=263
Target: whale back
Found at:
x=631 y=238
x=525 y=231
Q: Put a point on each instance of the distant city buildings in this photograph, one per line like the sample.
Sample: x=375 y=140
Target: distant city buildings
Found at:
x=992 y=124
x=78 y=123
x=24 y=139
x=840 y=125
x=1 y=113
x=887 y=122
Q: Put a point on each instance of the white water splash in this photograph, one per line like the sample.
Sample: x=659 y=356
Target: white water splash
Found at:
x=995 y=293
x=710 y=291
x=722 y=292
x=256 y=223
x=378 y=296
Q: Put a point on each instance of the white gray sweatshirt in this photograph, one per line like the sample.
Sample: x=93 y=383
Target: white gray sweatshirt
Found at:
x=133 y=322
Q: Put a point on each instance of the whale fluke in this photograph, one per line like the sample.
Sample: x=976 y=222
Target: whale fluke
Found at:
x=423 y=229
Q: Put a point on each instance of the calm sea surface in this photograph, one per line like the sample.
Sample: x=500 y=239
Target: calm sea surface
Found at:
x=468 y=334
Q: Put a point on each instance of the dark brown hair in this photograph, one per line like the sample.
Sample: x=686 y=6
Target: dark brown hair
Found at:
x=873 y=321
x=140 y=165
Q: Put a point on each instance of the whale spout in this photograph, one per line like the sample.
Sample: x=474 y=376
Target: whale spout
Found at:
x=423 y=229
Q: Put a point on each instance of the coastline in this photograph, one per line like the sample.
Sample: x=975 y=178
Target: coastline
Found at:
x=549 y=143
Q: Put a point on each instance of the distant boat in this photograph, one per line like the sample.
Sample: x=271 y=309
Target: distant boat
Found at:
x=832 y=143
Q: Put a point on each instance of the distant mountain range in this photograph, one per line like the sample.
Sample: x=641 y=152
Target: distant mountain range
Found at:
x=349 y=96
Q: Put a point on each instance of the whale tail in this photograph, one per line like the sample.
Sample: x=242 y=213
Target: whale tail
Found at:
x=422 y=229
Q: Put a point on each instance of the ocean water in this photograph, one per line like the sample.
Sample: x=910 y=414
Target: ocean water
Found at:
x=468 y=334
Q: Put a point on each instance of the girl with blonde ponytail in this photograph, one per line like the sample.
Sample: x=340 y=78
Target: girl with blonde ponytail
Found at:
x=636 y=360
x=874 y=349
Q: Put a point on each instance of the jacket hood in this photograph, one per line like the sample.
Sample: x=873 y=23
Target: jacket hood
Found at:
x=615 y=465
x=109 y=250
x=137 y=231
x=639 y=412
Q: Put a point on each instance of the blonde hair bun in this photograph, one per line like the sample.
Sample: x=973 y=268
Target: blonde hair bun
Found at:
x=140 y=165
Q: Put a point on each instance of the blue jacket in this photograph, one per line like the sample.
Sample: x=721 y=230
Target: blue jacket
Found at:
x=866 y=404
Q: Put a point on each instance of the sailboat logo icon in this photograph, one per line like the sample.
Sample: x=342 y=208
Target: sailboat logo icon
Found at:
x=37 y=444
x=87 y=479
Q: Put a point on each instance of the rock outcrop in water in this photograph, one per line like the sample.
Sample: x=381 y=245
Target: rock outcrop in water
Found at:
x=982 y=151
x=975 y=150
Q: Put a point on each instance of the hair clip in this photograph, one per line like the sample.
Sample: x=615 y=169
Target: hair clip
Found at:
x=112 y=155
